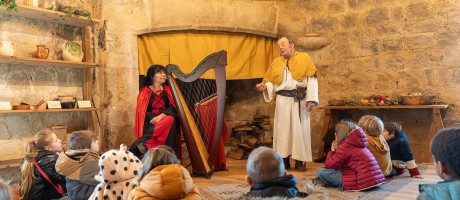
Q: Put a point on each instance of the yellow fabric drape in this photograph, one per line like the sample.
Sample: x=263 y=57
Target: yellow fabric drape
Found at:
x=248 y=56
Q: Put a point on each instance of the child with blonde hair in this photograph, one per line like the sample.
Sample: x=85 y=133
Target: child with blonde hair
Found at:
x=39 y=179
x=400 y=151
x=80 y=164
x=350 y=164
x=373 y=127
x=162 y=177
x=117 y=175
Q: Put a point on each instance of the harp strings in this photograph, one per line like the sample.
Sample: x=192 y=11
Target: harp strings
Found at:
x=194 y=92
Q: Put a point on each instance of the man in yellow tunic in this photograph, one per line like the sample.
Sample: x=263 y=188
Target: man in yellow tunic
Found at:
x=291 y=78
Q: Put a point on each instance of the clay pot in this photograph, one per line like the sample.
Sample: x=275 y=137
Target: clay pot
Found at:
x=42 y=52
x=72 y=51
x=21 y=107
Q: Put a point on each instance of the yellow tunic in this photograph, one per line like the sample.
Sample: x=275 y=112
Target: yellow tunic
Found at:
x=300 y=65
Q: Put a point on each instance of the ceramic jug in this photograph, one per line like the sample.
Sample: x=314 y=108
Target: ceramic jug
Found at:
x=42 y=52
x=72 y=51
x=7 y=48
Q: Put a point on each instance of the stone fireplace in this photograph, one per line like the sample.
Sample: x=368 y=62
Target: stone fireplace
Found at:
x=244 y=101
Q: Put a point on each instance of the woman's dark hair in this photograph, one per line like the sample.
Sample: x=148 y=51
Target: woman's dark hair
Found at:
x=151 y=73
x=393 y=128
x=445 y=147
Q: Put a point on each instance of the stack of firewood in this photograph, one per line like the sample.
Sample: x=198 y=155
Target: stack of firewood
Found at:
x=249 y=137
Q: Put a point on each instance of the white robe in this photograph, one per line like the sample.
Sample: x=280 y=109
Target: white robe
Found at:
x=291 y=135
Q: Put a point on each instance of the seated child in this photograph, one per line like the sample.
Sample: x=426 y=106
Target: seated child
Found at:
x=118 y=174
x=79 y=164
x=267 y=176
x=400 y=151
x=445 y=150
x=41 y=153
x=373 y=127
x=161 y=177
x=329 y=137
x=350 y=164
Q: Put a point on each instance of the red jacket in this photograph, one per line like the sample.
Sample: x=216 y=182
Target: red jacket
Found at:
x=359 y=167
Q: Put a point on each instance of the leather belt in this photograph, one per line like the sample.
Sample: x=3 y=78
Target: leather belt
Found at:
x=298 y=94
x=287 y=93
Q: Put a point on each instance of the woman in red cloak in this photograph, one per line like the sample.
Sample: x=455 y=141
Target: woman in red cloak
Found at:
x=156 y=120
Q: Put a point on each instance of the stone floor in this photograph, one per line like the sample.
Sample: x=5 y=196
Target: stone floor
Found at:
x=236 y=173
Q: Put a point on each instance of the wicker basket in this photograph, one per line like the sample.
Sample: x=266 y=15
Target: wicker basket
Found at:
x=335 y=102
x=417 y=100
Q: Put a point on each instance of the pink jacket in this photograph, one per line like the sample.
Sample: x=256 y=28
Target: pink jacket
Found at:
x=359 y=168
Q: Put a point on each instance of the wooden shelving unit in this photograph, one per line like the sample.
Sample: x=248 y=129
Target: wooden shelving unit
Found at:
x=52 y=16
x=42 y=14
x=50 y=110
x=45 y=62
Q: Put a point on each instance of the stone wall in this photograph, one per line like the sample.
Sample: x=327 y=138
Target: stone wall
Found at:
x=121 y=67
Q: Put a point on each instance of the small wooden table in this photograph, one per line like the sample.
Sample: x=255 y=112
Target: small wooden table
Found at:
x=435 y=125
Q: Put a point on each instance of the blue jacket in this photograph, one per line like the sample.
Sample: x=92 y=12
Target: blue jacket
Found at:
x=284 y=186
x=400 y=148
x=445 y=190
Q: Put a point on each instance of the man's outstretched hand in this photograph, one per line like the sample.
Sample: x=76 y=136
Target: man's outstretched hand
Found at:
x=261 y=86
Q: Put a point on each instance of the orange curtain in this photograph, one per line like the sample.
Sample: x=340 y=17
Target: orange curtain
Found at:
x=248 y=56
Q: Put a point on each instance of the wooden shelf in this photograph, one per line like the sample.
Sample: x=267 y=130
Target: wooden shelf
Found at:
x=45 y=62
x=50 y=110
x=10 y=163
x=42 y=14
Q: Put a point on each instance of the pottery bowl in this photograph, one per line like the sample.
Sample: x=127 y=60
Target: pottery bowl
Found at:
x=21 y=107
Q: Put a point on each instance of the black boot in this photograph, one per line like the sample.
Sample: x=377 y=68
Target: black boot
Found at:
x=300 y=166
x=320 y=159
x=287 y=163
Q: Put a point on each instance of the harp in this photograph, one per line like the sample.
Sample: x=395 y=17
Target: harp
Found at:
x=188 y=90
